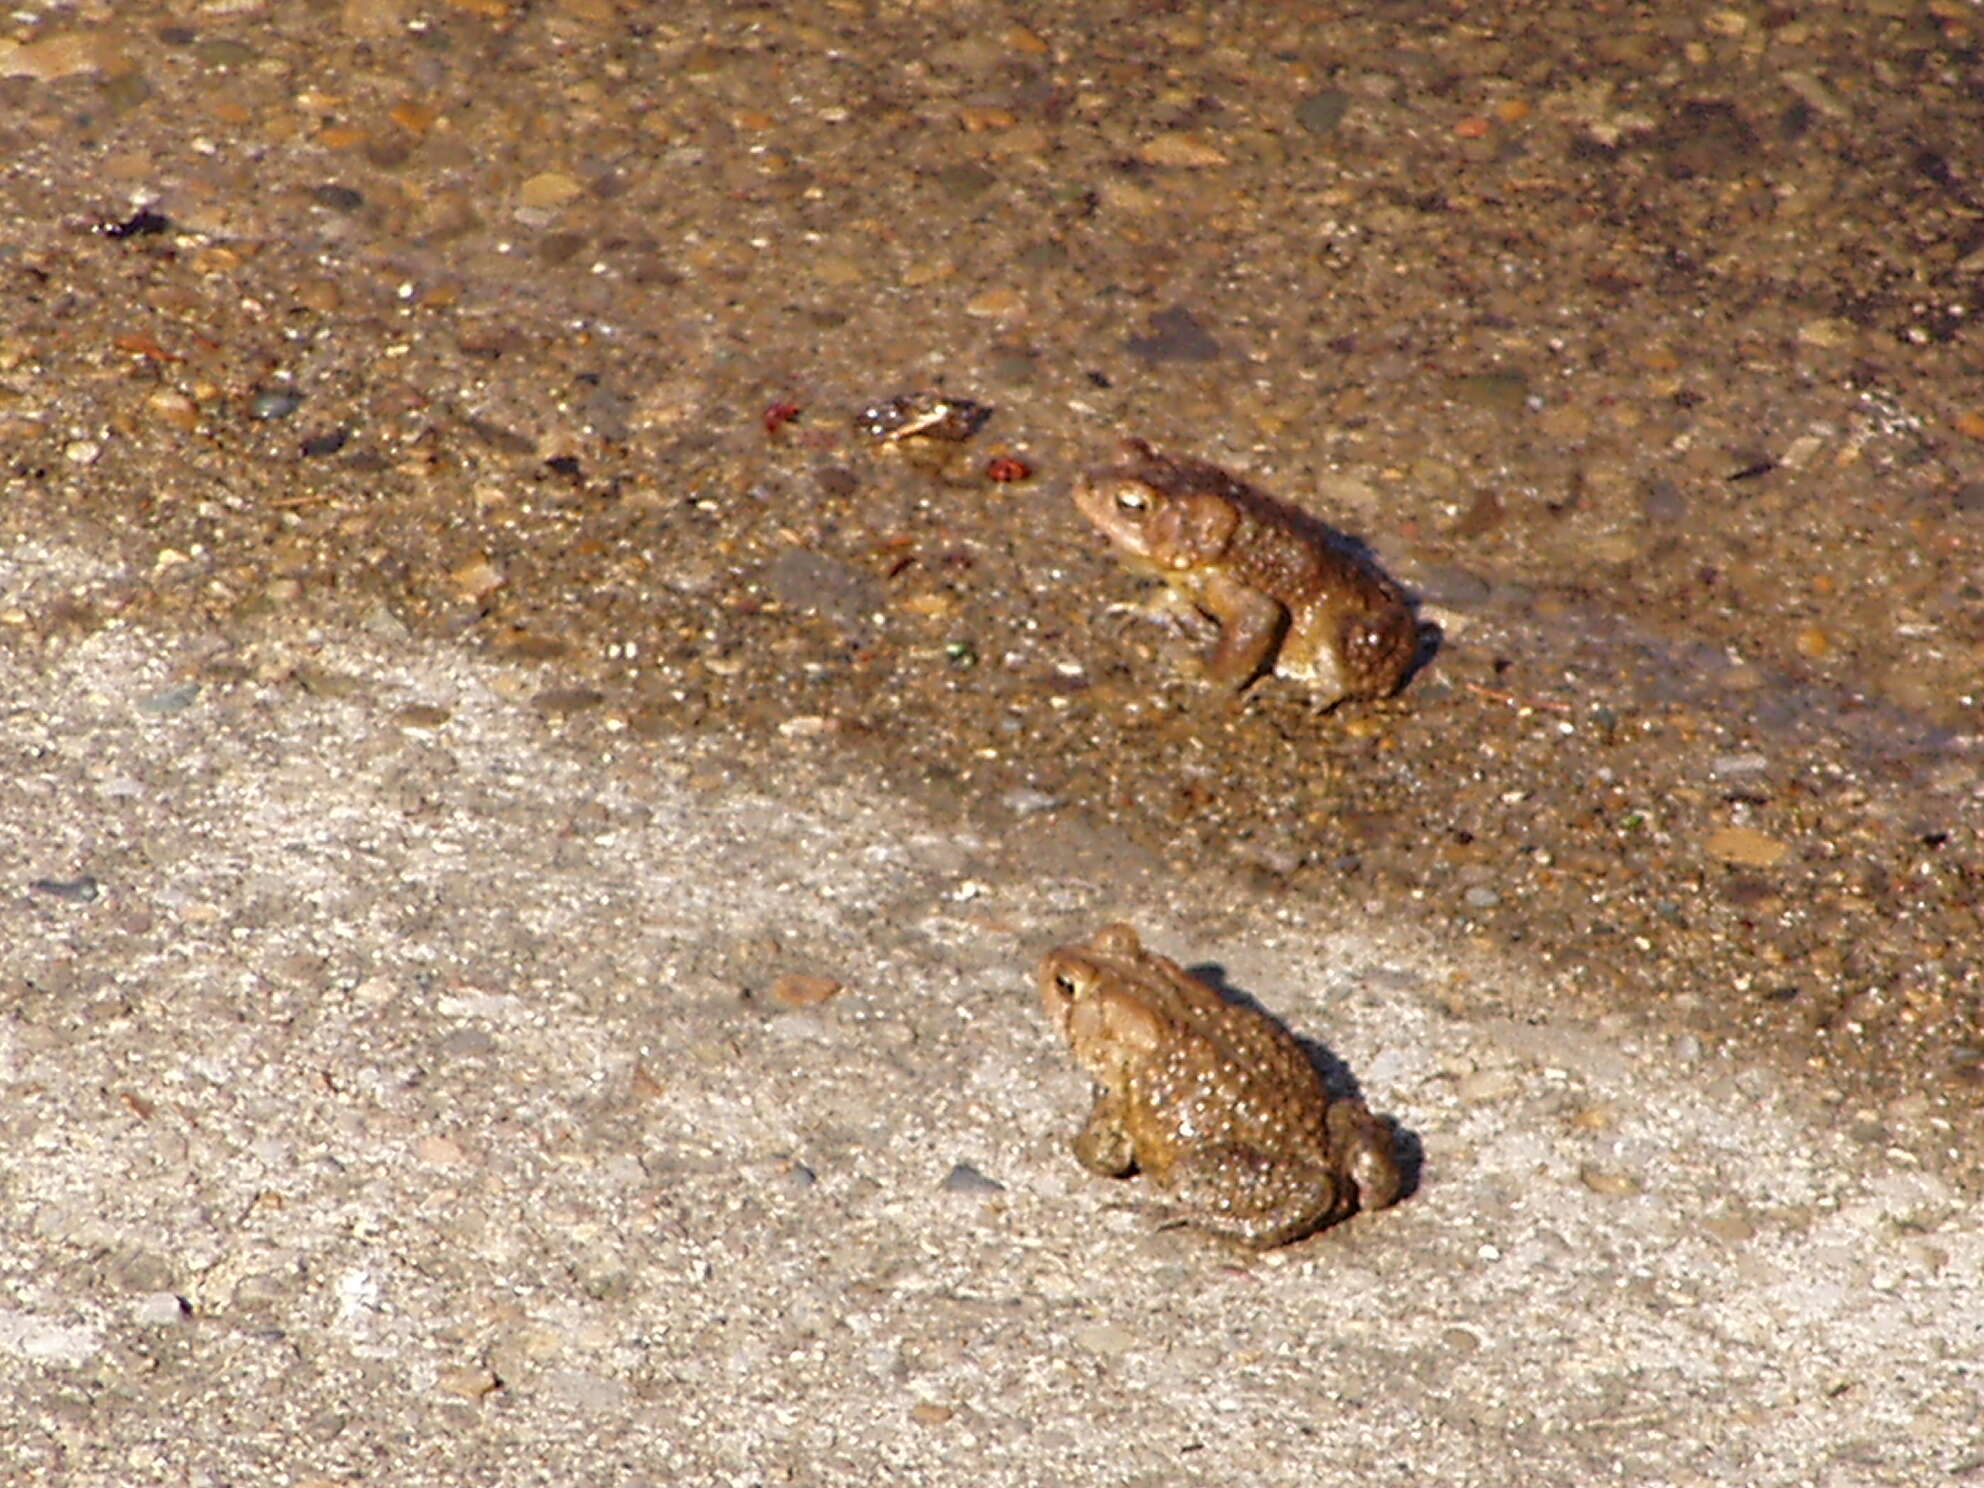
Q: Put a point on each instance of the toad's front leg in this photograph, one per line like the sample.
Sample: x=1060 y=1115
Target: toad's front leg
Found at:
x=1251 y=625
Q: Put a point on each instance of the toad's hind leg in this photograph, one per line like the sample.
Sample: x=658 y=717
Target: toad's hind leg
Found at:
x=1238 y=1191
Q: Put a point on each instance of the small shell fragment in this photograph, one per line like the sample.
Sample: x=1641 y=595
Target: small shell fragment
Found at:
x=922 y=416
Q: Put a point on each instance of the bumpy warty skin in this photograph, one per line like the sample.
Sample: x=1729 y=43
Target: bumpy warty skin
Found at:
x=1285 y=588
x=1210 y=1100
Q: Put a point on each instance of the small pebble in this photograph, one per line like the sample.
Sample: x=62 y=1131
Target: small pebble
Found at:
x=1747 y=846
x=274 y=403
x=1481 y=897
x=174 y=409
x=1175 y=335
x=169 y=701
x=1179 y=149
x=338 y=198
x=578 y=1389
x=477 y=578
x=1495 y=392
x=549 y=189
x=1320 y=113
x=563 y=702
x=1739 y=764
x=84 y=890
x=1105 y=1338
x=1487 y=1085
x=797 y=1177
x=966 y=1179
x=1611 y=1184
x=467 y=1384
x=440 y=1151
x=162 y=1310
x=327 y=443
x=1446 y=584
x=797 y=989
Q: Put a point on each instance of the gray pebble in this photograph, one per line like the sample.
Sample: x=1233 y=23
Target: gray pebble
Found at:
x=1493 y=392
x=1446 y=584
x=468 y=1043
x=275 y=403
x=1487 y=1085
x=163 y=1310
x=84 y=890
x=1663 y=502
x=1024 y=801
x=1482 y=897
x=1739 y=764
x=1176 y=335
x=1320 y=113
x=575 y=1389
x=797 y=1177
x=966 y=1179
x=169 y=700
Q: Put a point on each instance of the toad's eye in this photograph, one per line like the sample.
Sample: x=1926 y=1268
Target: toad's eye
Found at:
x=1133 y=499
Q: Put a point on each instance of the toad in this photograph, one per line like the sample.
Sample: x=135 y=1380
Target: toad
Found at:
x=1282 y=586
x=1211 y=1100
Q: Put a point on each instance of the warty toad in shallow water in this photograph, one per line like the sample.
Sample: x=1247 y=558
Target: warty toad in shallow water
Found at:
x=1281 y=584
x=1215 y=1102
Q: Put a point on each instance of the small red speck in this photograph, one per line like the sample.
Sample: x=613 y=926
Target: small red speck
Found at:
x=1475 y=128
x=779 y=415
x=1003 y=468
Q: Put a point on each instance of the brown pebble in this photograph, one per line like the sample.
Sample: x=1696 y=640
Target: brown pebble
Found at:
x=443 y=1151
x=1747 y=846
x=995 y=304
x=548 y=189
x=322 y=295
x=1731 y=1229
x=1179 y=149
x=62 y=55
x=172 y=407
x=929 y=1413
x=477 y=578
x=797 y=989
x=467 y=1383
x=414 y=117
x=978 y=118
x=1611 y=1184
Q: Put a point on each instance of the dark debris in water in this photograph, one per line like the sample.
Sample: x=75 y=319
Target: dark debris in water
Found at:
x=144 y=223
x=923 y=416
